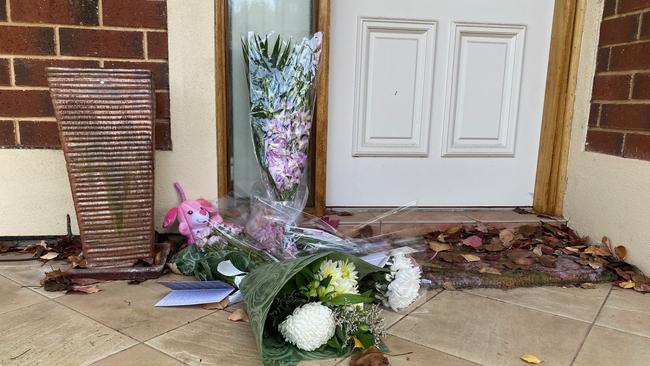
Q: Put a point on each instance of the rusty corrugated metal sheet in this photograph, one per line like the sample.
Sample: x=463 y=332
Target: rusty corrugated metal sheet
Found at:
x=106 y=125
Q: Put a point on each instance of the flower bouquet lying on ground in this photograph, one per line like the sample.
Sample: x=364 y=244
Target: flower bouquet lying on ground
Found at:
x=324 y=305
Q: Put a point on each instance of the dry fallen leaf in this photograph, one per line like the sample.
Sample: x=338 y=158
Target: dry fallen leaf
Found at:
x=370 y=357
x=495 y=245
x=239 y=315
x=531 y=359
x=489 y=270
x=506 y=236
x=606 y=242
x=49 y=256
x=471 y=257
x=538 y=251
x=621 y=252
x=85 y=281
x=217 y=305
x=88 y=289
x=642 y=287
x=439 y=247
x=174 y=268
x=454 y=229
x=626 y=284
x=588 y=286
x=449 y=286
x=473 y=241
x=77 y=261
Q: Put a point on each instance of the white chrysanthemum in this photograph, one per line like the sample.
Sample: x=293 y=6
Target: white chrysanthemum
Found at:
x=403 y=290
x=329 y=268
x=348 y=270
x=309 y=327
x=345 y=286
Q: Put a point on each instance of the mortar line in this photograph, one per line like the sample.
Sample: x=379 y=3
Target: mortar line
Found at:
x=575 y=356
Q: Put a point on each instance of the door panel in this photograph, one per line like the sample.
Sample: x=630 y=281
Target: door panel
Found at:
x=438 y=102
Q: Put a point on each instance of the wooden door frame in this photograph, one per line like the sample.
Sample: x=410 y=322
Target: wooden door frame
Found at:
x=319 y=129
x=564 y=57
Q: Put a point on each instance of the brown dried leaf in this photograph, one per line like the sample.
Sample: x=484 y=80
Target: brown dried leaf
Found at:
x=451 y=257
x=370 y=357
x=439 y=247
x=77 y=261
x=49 y=256
x=174 y=268
x=602 y=251
x=217 y=305
x=88 y=289
x=607 y=243
x=449 y=286
x=527 y=261
x=527 y=230
x=623 y=274
x=454 y=230
x=239 y=315
x=642 y=287
x=548 y=261
x=518 y=253
x=538 y=251
x=640 y=278
x=471 y=257
x=621 y=252
x=626 y=284
x=489 y=270
x=495 y=245
x=85 y=281
x=506 y=236
x=588 y=286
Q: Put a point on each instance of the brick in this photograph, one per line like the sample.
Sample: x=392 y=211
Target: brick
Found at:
x=625 y=6
x=611 y=87
x=645 y=26
x=619 y=30
x=3 y=10
x=605 y=142
x=135 y=13
x=637 y=146
x=17 y=40
x=39 y=134
x=79 y=12
x=594 y=114
x=630 y=57
x=163 y=136
x=100 y=43
x=610 y=8
x=641 y=86
x=25 y=103
x=626 y=116
x=31 y=72
x=5 y=77
x=602 y=59
x=159 y=70
x=157 y=45
x=162 y=105
x=7 y=133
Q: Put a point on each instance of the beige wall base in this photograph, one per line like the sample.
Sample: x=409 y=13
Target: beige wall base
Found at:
x=34 y=190
x=606 y=195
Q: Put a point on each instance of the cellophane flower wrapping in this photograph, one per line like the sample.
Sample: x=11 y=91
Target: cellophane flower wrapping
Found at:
x=281 y=78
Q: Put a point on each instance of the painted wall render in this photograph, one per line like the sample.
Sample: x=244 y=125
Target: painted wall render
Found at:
x=606 y=195
x=34 y=190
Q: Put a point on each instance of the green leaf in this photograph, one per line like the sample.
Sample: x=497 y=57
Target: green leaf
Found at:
x=350 y=299
x=240 y=260
x=326 y=281
x=366 y=339
x=334 y=342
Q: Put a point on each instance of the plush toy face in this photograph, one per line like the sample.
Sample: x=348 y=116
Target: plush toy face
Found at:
x=195 y=214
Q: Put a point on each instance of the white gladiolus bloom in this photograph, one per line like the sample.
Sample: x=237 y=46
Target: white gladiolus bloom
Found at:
x=403 y=289
x=309 y=327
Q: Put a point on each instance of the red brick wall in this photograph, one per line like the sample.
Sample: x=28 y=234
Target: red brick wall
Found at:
x=619 y=121
x=35 y=34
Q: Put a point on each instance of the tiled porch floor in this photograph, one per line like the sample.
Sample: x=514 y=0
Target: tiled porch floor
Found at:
x=120 y=325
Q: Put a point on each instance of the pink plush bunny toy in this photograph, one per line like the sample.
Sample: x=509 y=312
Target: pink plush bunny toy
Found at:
x=193 y=215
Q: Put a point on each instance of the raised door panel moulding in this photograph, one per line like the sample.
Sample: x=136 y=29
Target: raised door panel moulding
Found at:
x=483 y=90
x=394 y=87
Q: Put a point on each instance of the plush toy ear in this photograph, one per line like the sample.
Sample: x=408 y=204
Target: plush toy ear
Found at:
x=170 y=217
x=209 y=206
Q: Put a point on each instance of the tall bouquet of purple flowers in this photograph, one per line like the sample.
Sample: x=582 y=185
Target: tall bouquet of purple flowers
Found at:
x=281 y=78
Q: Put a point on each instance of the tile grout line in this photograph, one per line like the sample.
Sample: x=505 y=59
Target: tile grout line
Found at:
x=434 y=349
x=591 y=326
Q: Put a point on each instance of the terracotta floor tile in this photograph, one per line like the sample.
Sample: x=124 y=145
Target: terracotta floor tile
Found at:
x=628 y=311
x=140 y=355
x=428 y=216
x=51 y=334
x=491 y=332
x=13 y=296
x=357 y=217
x=611 y=347
x=130 y=309
x=571 y=302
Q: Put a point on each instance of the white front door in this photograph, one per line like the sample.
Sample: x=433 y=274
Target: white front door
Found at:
x=437 y=102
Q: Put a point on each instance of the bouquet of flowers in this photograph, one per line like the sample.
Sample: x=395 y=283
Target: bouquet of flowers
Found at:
x=324 y=305
x=281 y=77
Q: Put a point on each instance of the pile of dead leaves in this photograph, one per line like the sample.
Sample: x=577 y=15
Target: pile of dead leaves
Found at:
x=491 y=250
x=58 y=281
